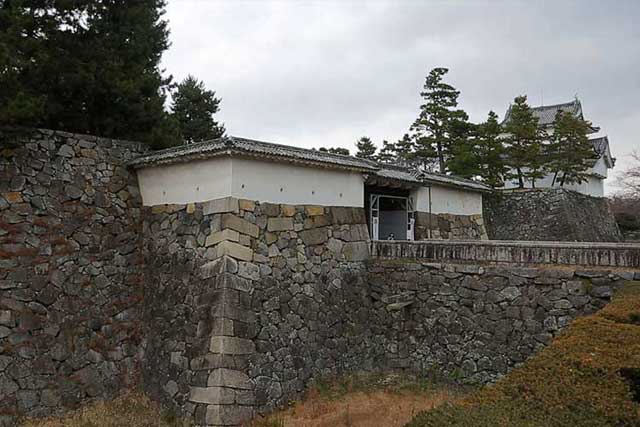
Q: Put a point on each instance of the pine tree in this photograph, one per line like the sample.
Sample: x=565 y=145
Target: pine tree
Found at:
x=524 y=143
x=366 y=148
x=335 y=150
x=432 y=128
x=570 y=151
x=491 y=152
x=193 y=108
x=88 y=66
x=407 y=154
x=388 y=153
x=463 y=155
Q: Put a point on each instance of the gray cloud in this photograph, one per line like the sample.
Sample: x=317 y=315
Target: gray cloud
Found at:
x=325 y=73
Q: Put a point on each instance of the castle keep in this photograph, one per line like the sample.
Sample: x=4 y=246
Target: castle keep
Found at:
x=222 y=277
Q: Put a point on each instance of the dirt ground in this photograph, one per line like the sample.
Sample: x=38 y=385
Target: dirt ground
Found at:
x=378 y=408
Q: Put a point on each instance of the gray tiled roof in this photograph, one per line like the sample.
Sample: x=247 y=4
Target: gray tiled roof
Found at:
x=399 y=173
x=402 y=173
x=546 y=114
x=600 y=145
x=235 y=145
x=249 y=147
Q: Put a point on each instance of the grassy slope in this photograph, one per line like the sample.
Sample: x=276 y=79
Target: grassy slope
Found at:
x=364 y=400
x=576 y=381
x=129 y=410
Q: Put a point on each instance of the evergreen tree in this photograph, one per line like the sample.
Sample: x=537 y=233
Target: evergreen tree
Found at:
x=388 y=153
x=524 y=143
x=570 y=152
x=335 y=150
x=366 y=149
x=463 y=155
x=411 y=154
x=87 y=66
x=432 y=128
x=193 y=108
x=491 y=152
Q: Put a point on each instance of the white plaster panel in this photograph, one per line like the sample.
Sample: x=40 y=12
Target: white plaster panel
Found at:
x=274 y=182
x=448 y=200
x=287 y=183
x=594 y=186
x=180 y=183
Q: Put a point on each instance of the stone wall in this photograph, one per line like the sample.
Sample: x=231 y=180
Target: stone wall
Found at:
x=70 y=272
x=243 y=303
x=246 y=303
x=549 y=214
x=449 y=226
x=475 y=321
x=225 y=308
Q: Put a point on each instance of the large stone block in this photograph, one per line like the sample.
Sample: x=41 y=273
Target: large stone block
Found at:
x=355 y=232
x=314 y=236
x=288 y=210
x=211 y=361
x=346 y=215
x=231 y=378
x=270 y=210
x=219 y=236
x=212 y=395
x=280 y=224
x=314 y=210
x=240 y=225
x=247 y=205
x=224 y=264
x=234 y=250
x=231 y=345
x=356 y=251
x=227 y=204
x=228 y=415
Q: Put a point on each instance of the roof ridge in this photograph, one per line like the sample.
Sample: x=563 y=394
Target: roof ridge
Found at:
x=218 y=146
x=575 y=101
x=309 y=150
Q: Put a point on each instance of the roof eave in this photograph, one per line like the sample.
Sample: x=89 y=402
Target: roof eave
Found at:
x=140 y=163
x=479 y=188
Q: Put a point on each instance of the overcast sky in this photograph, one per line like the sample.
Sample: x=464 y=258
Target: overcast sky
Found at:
x=324 y=73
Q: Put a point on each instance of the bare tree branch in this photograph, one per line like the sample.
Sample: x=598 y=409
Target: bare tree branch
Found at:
x=629 y=180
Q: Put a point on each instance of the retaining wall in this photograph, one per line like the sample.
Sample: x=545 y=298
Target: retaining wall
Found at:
x=231 y=307
x=70 y=276
x=549 y=214
x=245 y=303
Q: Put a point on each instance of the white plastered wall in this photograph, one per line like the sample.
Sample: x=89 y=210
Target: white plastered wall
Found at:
x=276 y=182
x=594 y=186
x=265 y=181
x=180 y=183
x=448 y=200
